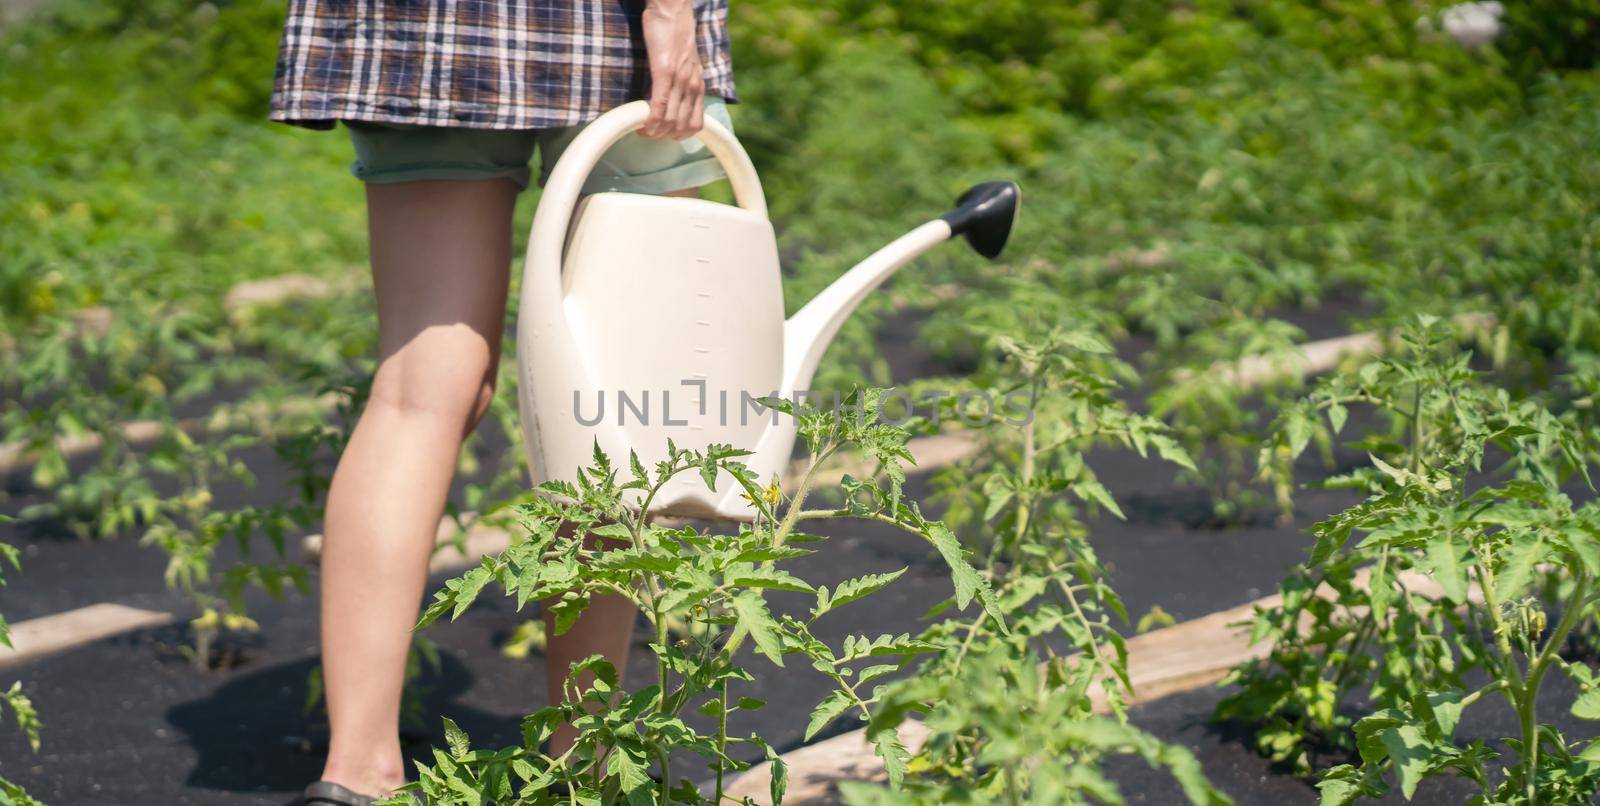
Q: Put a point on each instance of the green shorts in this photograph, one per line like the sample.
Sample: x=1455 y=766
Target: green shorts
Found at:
x=387 y=152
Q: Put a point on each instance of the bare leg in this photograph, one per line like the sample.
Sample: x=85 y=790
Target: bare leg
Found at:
x=605 y=628
x=440 y=263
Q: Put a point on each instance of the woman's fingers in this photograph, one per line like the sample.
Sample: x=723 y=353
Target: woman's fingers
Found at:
x=677 y=103
x=672 y=123
x=677 y=106
x=685 y=110
x=653 y=125
x=697 y=114
x=676 y=83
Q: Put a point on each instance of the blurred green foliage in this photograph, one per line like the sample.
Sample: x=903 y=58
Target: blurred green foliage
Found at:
x=138 y=166
x=1188 y=172
x=138 y=160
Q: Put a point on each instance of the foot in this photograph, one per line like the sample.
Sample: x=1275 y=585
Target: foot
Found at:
x=328 y=793
x=372 y=777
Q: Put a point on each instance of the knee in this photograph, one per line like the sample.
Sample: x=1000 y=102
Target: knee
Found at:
x=449 y=400
x=485 y=399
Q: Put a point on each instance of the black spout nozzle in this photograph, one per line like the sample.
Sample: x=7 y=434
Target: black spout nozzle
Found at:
x=984 y=214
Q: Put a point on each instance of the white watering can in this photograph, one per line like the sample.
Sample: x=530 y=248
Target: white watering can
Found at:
x=651 y=318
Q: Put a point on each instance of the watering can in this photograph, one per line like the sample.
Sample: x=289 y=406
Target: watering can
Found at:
x=648 y=318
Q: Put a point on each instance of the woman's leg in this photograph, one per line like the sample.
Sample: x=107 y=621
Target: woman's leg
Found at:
x=441 y=256
x=605 y=628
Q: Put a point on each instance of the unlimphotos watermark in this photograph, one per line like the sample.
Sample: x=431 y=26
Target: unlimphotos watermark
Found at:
x=697 y=405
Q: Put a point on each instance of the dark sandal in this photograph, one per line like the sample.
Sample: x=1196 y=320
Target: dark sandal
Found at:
x=328 y=793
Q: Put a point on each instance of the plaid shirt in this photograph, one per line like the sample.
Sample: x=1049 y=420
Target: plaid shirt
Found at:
x=487 y=64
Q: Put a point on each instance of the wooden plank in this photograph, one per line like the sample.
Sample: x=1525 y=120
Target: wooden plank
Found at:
x=816 y=770
x=257 y=416
x=929 y=453
x=35 y=638
x=1318 y=357
x=481 y=539
x=1186 y=656
x=284 y=287
x=13 y=11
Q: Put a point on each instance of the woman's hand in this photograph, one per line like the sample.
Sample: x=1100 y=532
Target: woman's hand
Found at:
x=677 y=82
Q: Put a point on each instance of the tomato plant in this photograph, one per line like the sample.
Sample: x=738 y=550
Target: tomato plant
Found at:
x=587 y=539
x=1354 y=620
x=13 y=699
x=1010 y=702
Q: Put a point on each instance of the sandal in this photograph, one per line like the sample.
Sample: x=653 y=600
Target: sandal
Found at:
x=328 y=793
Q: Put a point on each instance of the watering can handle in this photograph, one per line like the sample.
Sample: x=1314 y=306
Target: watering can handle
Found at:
x=565 y=183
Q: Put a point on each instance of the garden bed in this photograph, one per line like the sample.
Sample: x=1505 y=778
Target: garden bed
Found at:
x=131 y=715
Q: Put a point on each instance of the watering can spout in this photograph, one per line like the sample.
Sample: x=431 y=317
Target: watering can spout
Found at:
x=983 y=215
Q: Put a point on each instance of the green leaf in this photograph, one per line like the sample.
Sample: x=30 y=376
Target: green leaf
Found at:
x=1446 y=707
x=872 y=673
x=1519 y=559
x=1153 y=619
x=851 y=590
x=1369 y=730
x=467 y=588
x=1591 y=753
x=1091 y=490
x=829 y=709
x=1298 y=428
x=1169 y=449
x=1446 y=561
x=755 y=619
x=1337 y=414
x=761 y=554
x=567 y=609
x=780 y=776
x=456 y=739
x=631 y=775
x=1409 y=750
x=886 y=741
x=967 y=581
x=1379 y=589
x=771 y=578
x=1339 y=786
x=997 y=501
x=1587 y=706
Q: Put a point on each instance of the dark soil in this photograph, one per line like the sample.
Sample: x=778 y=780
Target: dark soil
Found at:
x=1226 y=750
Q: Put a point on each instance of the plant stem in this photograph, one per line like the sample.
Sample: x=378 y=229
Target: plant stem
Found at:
x=1024 y=501
x=966 y=644
x=666 y=774
x=1478 y=695
x=1094 y=643
x=1357 y=648
x=1530 y=689
x=722 y=734
x=1502 y=638
x=1416 y=427
x=793 y=514
x=661 y=661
